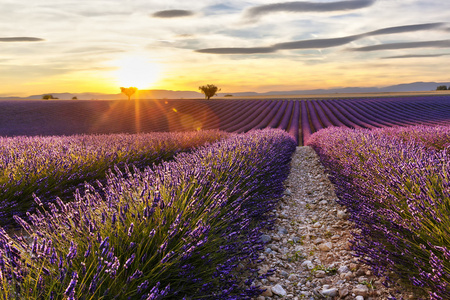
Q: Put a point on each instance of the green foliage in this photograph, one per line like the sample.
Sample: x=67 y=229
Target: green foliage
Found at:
x=327 y=270
x=369 y=284
x=441 y=88
x=128 y=91
x=48 y=97
x=296 y=256
x=209 y=90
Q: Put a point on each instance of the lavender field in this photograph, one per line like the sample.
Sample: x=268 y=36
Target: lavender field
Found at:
x=149 y=200
x=299 y=117
x=395 y=184
x=56 y=166
x=175 y=230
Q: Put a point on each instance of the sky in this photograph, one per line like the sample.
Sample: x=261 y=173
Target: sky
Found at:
x=55 y=46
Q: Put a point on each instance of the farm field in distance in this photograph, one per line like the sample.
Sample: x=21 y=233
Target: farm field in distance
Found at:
x=299 y=117
x=178 y=217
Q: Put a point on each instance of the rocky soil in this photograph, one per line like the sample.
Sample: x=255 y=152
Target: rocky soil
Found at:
x=310 y=247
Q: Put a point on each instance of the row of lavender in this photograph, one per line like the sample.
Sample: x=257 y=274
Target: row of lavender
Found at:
x=395 y=183
x=56 y=166
x=299 y=117
x=184 y=229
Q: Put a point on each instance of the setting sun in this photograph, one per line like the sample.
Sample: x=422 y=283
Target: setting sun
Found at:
x=137 y=71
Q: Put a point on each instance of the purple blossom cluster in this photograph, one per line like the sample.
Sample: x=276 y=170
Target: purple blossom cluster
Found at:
x=182 y=229
x=395 y=185
x=57 y=165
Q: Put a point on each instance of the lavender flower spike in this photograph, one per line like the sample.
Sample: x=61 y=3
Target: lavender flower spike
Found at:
x=70 y=291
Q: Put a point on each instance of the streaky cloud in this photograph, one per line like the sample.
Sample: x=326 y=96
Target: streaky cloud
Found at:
x=404 y=45
x=21 y=39
x=173 y=13
x=317 y=43
x=306 y=6
x=416 y=56
x=250 y=50
x=320 y=43
x=406 y=28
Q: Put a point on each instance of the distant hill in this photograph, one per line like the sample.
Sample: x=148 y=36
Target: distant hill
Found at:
x=140 y=94
x=406 y=87
x=168 y=94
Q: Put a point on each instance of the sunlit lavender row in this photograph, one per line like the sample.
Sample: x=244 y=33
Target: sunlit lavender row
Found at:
x=56 y=166
x=188 y=228
x=395 y=183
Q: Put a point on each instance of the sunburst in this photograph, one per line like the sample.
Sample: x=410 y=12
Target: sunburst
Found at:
x=137 y=71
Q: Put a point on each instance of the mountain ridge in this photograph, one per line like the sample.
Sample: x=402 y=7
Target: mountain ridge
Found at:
x=169 y=94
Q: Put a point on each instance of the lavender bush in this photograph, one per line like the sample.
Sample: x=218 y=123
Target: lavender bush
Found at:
x=49 y=166
x=395 y=184
x=184 y=229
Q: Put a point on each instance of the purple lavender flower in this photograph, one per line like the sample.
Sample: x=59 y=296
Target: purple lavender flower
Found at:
x=142 y=287
x=70 y=290
x=130 y=229
x=88 y=250
x=129 y=261
x=72 y=251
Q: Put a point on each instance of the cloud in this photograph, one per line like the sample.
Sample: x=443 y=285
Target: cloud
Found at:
x=416 y=56
x=305 y=6
x=406 y=28
x=321 y=43
x=405 y=45
x=220 y=9
x=21 y=39
x=184 y=36
x=317 y=43
x=250 y=50
x=173 y=13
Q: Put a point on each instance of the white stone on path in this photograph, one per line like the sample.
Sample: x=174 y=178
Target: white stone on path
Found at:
x=278 y=290
x=330 y=292
x=326 y=246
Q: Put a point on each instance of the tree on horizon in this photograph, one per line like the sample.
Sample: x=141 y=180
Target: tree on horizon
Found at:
x=128 y=91
x=48 y=97
x=209 y=90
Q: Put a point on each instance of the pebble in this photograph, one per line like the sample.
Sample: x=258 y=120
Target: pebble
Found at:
x=287 y=192
x=267 y=292
x=307 y=264
x=341 y=214
x=330 y=292
x=284 y=274
x=309 y=248
x=326 y=246
x=343 y=292
x=293 y=277
x=317 y=225
x=265 y=238
x=278 y=290
x=282 y=230
x=320 y=274
x=318 y=241
x=361 y=290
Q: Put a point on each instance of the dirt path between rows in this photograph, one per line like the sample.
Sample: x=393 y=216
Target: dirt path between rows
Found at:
x=310 y=247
